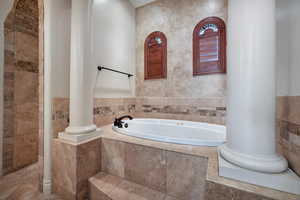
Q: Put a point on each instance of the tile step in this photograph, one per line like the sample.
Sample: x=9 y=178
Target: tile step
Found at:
x=104 y=186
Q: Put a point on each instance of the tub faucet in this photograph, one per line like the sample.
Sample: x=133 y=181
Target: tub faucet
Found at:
x=119 y=123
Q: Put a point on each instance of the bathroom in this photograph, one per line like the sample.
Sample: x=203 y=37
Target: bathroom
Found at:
x=227 y=127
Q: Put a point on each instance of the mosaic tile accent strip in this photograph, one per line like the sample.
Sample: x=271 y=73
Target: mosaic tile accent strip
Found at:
x=60 y=115
x=183 y=110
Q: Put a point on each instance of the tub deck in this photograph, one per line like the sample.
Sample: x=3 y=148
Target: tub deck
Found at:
x=214 y=183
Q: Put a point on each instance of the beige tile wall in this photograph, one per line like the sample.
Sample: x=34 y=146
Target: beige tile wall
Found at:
x=21 y=85
x=176 y=174
x=177 y=20
x=211 y=110
x=73 y=165
x=288 y=130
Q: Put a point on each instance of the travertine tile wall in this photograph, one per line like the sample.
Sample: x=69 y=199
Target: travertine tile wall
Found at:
x=21 y=74
x=9 y=67
x=177 y=20
x=288 y=130
x=70 y=168
x=158 y=169
x=211 y=110
x=105 y=110
x=60 y=115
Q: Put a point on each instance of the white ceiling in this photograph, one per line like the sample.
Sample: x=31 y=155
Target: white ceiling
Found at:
x=139 y=3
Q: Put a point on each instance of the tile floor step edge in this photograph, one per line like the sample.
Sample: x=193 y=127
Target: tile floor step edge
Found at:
x=104 y=186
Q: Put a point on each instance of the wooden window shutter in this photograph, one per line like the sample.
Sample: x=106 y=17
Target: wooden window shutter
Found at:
x=209 y=47
x=155 y=56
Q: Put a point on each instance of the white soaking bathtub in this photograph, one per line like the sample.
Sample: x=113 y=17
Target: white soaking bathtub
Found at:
x=175 y=131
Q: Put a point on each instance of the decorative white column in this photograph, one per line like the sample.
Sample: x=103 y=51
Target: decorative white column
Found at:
x=81 y=85
x=251 y=87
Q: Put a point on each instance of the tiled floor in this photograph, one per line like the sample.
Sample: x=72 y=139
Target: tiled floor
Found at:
x=22 y=185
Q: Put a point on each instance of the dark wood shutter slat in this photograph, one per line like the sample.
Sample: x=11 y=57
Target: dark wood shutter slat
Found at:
x=209 y=49
x=155 y=56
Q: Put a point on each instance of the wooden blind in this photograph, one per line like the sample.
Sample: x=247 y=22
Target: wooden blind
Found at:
x=209 y=47
x=155 y=56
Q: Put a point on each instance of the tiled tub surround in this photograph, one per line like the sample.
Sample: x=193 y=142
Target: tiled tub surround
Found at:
x=171 y=171
x=288 y=130
x=177 y=20
x=181 y=172
x=211 y=110
x=21 y=85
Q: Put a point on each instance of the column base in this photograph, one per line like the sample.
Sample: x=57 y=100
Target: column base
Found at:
x=286 y=181
x=47 y=187
x=264 y=164
x=76 y=130
x=72 y=166
x=79 y=138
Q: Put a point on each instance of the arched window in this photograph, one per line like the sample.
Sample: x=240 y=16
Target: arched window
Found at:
x=156 y=56
x=209 y=47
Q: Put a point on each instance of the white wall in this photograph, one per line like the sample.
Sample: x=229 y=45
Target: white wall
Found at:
x=60 y=26
x=288 y=47
x=282 y=57
x=294 y=83
x=114 y=46
x=5 y=7
x=139 y=3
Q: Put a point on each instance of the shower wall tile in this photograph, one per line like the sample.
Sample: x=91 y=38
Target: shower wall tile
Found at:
x=9 y=61
x=288 y=130
x=9 y=41
x=27 y=17
x=24 y=42
x=9 y=21
x=21 y=85
x=26 y=88
x=8 y=115
x=26 y=118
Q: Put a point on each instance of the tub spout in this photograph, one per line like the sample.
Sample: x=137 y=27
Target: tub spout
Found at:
x=118 y=121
